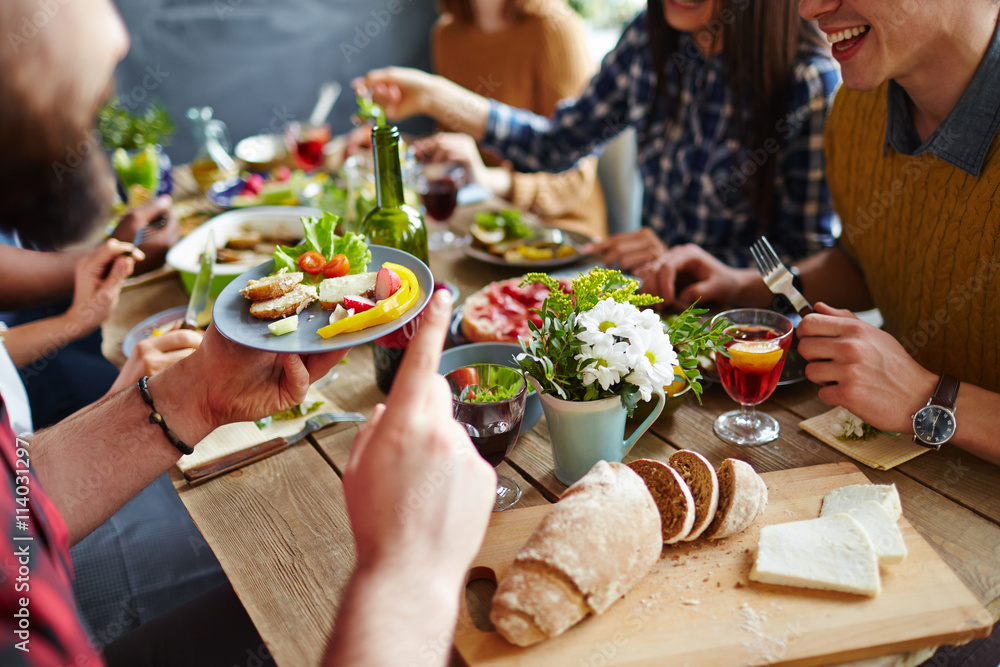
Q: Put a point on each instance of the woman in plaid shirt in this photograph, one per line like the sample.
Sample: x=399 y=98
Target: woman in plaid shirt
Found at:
x=729 y=98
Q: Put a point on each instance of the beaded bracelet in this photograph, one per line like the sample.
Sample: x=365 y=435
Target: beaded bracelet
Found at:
x=156 y=418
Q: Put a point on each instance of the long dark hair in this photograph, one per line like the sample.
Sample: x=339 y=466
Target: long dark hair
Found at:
x=760 y=46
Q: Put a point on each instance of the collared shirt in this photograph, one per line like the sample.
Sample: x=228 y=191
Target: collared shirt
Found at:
x=38 y=616
x=965 y=136
x=695 y=166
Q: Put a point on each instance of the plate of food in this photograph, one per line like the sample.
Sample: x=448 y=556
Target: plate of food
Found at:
x=505 y=239
x=154 y=325
x=328 y=293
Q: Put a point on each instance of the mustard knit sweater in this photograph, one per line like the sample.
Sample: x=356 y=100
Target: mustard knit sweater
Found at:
x=532 y=65
x=927 y=236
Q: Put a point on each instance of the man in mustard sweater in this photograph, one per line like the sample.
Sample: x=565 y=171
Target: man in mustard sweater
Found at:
x=913 y=166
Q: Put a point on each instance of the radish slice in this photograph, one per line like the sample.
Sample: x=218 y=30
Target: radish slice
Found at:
x=387 y=283
x=358 y=304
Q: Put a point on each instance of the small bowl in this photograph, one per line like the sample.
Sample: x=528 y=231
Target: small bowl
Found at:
x=492 y=353
x=261 y=152
x=670 y=406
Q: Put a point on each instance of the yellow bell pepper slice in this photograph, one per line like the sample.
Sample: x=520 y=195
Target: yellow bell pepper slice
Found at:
x=384 y=311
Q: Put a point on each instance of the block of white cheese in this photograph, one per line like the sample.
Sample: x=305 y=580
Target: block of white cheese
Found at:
x=882 y=530
x=333 y=290
x=831 y=553
x=846 y=497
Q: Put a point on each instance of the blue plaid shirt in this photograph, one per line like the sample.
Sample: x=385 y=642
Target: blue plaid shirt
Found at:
x=693 y=168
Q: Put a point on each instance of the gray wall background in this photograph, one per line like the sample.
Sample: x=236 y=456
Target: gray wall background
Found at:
x=259 y=63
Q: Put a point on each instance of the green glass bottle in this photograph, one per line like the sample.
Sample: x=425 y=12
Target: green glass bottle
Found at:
x=393 y=222
x=396 y=224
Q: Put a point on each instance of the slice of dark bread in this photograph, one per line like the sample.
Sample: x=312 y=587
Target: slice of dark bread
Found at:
x=671 y=495
x=704 y=484
x=742 y=493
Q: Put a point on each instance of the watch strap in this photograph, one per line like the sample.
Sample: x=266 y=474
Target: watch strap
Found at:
x=946 y=392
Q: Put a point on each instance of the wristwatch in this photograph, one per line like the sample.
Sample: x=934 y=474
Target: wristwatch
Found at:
x=934 y=424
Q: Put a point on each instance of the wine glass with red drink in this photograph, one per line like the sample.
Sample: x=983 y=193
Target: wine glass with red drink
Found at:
x=308 y=144
x=438 y=184
x=488 y=400
x=757 y=352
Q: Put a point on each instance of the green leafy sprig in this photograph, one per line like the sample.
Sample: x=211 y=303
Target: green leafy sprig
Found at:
x=694 y=336
x=120 y=128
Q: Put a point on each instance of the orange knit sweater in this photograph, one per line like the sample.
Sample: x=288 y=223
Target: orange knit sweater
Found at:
x=927 y=236
x=531 y=65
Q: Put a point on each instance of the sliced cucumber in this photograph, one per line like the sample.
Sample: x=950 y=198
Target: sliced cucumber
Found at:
x=282 y=327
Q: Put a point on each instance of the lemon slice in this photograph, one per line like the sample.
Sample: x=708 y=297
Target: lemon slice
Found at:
x=755 y=357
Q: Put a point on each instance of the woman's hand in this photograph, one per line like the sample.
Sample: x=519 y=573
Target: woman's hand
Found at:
x=630 y=251
x=155 y=354
x=462 y=149
x=863 y=369
x=402 y=92
x=98 y=281
x=688 y=273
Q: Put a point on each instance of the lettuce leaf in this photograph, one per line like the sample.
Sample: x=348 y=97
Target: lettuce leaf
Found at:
x=320 y=237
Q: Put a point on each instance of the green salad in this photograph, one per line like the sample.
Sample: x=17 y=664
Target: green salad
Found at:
x=321 y=238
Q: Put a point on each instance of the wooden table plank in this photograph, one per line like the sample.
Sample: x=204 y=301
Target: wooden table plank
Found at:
x=280 y=530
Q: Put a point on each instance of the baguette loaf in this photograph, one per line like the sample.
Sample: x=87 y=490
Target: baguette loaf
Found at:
x=595 y=544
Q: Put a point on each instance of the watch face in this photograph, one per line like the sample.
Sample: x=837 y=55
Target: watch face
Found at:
x=934 y=424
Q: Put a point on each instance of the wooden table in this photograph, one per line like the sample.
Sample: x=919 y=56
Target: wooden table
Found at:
x=280 y=529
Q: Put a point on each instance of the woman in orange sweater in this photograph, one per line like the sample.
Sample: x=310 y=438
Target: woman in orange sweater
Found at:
x=529 y=54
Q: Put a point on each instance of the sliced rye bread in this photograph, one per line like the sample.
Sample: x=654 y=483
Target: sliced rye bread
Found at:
x=704 y=484
x=742 y=493
x=672 y=497
x=285 y=305
x=272 y=287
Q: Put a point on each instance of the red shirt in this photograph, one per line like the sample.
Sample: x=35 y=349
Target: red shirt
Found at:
x=37 y=612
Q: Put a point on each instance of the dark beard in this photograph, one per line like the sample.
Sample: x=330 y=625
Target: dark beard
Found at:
x=50 y=205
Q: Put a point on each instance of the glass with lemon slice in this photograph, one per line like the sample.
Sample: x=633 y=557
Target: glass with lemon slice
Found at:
x=757 y=352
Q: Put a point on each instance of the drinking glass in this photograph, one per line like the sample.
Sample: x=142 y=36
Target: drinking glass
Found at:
x=488 y=400
x=438 y=184
x=307 y=143
x=761 y=340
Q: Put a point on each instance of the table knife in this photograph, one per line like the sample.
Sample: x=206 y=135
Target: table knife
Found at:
x=202 y=284
x=221 y=466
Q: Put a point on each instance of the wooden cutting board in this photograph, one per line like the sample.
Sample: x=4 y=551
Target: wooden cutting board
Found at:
x=698 y=606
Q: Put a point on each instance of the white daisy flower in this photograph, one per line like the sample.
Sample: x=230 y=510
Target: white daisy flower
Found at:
x=652 y=358
x=850 y=425
x=606 y=319
x=612 y=363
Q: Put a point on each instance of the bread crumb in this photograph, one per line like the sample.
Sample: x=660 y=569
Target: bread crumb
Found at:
x=691 y=602
x=718 y=584
x=789 y=512
x=704 y=580
x=739 y=584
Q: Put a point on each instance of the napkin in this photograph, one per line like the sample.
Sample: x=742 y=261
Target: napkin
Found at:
x=238 y=436
x=881 y=452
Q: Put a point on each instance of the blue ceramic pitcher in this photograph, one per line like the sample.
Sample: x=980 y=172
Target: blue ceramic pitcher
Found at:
x=585 y=432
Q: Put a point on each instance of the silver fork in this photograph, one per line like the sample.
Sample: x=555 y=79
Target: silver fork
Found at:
x=146 y=233
x=777 y=277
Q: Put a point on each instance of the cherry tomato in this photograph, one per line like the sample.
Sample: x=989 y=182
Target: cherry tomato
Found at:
x=311 y=262
x=338 y=266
